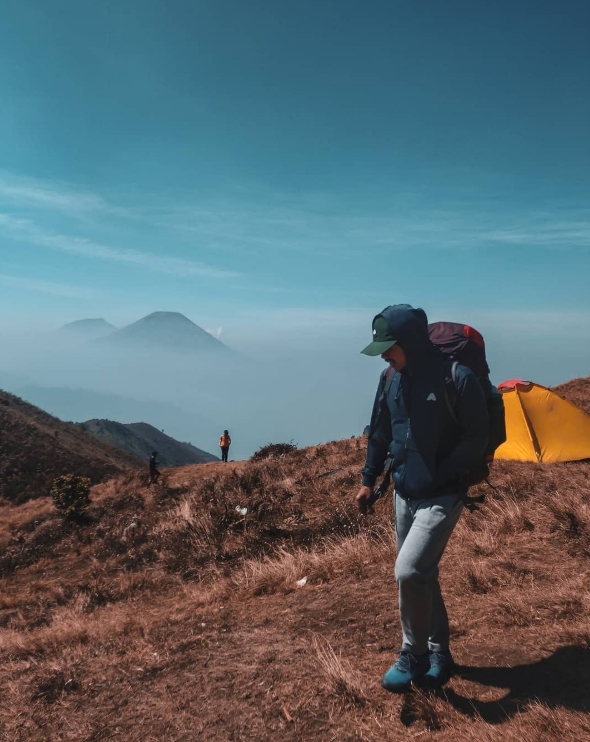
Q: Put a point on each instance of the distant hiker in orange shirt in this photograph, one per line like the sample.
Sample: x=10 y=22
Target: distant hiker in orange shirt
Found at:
x=224 y=443
x=154 y=472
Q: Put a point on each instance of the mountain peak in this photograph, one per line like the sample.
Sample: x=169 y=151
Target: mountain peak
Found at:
x=161 y=316
x=170 y=330
x=91 y=328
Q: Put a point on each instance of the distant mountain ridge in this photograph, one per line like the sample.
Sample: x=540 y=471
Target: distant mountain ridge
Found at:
x=88 y=328
x=140 y=439
x=79 y=405
x=164 y=330
x=36 y=447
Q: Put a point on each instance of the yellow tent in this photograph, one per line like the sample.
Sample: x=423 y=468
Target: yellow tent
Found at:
x=541 y=425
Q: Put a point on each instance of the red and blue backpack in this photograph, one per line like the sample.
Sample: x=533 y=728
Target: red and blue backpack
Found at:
x=462 y=344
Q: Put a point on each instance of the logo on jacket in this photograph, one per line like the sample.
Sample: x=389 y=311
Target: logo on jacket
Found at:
x=431 y=397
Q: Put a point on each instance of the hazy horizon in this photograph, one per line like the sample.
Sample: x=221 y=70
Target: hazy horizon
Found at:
x=279 y=173
x=293 y=384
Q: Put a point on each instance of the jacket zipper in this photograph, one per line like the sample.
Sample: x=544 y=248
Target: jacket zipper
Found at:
x=408 y=432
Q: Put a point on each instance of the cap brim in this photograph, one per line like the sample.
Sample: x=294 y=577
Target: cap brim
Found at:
x=375 y=348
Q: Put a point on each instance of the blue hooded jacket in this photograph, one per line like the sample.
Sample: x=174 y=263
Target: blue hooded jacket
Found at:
x=431 y=453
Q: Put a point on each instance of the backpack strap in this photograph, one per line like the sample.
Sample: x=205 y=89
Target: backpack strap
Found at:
x=385 y=383
x=387 y=377
x=450 y=390
x=451 y=398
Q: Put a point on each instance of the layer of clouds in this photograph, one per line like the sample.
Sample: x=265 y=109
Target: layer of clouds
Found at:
x=319 y=346
x=260 y=222
x=216 y=332
x=49 y=287
x=22 y=192
x=264 y=227
x=25 y=230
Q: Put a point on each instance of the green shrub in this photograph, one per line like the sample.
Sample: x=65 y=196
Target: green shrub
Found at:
x=71 y=494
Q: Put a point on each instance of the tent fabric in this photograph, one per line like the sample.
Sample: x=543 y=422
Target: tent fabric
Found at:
x=541 y=425
x=511 y=383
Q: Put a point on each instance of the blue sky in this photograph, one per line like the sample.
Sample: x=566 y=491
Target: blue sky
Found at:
x=285 y=170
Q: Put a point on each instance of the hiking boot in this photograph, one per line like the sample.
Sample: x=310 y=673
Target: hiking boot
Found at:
x=408 y=668
x=442 y=666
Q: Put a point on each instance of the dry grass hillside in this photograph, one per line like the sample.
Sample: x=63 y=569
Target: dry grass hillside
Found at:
x=36 y=447
x=140 y=439
x=577 y=391
x=250 y=601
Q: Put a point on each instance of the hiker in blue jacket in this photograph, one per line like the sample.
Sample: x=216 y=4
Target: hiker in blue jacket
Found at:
x=413 y=432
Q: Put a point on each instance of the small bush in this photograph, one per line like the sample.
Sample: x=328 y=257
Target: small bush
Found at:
x=71 y=494
x=273 y=450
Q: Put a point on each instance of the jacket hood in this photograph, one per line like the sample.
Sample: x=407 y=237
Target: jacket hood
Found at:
x=409 y=326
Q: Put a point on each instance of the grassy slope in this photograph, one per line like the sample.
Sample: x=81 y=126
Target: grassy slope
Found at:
x=140 y=439
x=577 y=391
x=35 y=447
x=172 y=616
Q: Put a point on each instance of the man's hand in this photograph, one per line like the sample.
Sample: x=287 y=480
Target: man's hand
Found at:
x=361 y=499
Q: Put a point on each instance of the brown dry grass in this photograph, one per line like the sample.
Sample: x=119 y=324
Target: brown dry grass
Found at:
x=36 y=447
x=171 y=615
x=577 y=391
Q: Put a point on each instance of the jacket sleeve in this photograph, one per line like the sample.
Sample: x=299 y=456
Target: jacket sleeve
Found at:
x=472 y=414
x=379 y=439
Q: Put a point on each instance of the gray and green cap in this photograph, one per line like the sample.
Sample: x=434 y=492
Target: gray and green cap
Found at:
x=382 y=338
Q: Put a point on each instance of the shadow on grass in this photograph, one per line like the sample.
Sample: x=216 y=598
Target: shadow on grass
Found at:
x=563 y=679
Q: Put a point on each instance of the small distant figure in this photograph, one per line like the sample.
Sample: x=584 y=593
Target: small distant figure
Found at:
x=224 y=443
x=154 y=472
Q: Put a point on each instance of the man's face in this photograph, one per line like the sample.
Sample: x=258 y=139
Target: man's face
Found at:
x=396 y=357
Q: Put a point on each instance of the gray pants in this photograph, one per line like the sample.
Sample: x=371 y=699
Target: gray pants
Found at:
x=423 y=528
